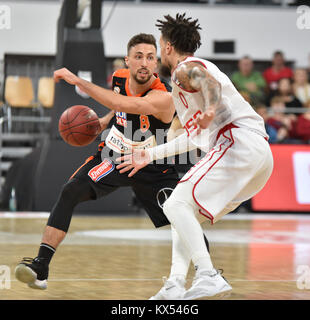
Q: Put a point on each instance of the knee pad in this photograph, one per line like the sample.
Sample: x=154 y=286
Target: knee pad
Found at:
x=77 y=190
x=72 y=193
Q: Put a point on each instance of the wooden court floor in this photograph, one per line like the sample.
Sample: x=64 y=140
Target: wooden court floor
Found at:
x=264 y=257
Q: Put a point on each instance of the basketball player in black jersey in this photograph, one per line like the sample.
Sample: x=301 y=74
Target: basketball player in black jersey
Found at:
x=143 y=107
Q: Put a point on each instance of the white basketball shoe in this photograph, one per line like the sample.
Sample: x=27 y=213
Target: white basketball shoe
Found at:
x=173 y=289
x=208 y=284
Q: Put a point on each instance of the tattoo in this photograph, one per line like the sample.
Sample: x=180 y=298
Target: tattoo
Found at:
x=193 y=76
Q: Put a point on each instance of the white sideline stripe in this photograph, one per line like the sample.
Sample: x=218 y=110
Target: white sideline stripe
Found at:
x=100 y=279
x=23 y=215
x=232 y=216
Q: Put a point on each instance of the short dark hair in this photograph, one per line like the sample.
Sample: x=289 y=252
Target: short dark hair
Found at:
x=278 y=53
x=181 y=32
x=141 y=38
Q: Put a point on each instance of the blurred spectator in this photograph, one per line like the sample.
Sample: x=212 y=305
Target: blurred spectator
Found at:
x=271 y=131
x=301 y=85
x=284 y=124
x=117 y=64
x=249 y=81
x=303 y=124
x=286 y=92
x=277 y=71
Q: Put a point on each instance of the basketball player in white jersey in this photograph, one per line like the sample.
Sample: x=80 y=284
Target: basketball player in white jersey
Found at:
x=237 y=165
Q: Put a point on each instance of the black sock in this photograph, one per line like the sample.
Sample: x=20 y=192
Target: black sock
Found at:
x=46 y=252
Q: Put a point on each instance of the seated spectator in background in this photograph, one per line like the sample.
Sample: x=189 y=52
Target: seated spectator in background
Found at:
x=286 y=92
x=301 y=85
x=117 y=64
x=284 y=124
x=277 y=71
x=303 y=124
x=249 y=81
x=271 y=131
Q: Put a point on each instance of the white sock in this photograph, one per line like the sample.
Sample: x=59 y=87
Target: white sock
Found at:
x=181 y=215
x=180 y=257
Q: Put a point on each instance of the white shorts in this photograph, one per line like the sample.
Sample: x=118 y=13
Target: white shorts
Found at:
x=234 y=170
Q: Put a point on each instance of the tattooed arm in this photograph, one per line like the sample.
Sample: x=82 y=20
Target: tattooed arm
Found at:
x=193 y=76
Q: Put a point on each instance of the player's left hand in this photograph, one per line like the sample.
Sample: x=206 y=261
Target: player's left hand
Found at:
x=203 y=120
x=135 y=161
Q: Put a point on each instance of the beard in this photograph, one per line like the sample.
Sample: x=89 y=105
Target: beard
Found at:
x=142 y=81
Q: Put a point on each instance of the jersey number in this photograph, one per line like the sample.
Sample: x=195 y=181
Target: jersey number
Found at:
x=189 y=126
x=144 y=123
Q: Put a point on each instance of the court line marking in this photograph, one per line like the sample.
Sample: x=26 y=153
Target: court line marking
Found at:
x=231 y=216
x=100 y=279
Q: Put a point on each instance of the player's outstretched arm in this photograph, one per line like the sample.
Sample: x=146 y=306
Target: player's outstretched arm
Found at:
x=140 y=158
x=157 y=103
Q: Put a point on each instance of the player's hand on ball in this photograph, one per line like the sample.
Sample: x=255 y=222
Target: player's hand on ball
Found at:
x=135 y=161
x=66 y=75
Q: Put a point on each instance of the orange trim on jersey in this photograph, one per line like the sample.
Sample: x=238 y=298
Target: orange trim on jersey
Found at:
x=158 y=85
x=101 y=145
x=122 y=73
x=86 y=161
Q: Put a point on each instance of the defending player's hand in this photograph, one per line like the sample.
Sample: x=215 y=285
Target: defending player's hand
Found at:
x=66 y=75
x=135 y=161
x=203 y=120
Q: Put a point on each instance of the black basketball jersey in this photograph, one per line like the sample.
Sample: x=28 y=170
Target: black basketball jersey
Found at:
x=127 y=128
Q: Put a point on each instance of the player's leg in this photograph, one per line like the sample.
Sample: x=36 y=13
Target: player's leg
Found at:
x=153 y=197
x=181 y=210
x=81 y=187
x=213 y=187
x=34 y=272
x=174 y=286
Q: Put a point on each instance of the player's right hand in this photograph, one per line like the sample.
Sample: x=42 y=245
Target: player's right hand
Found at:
x=135 y=161
x=203 y=120
x=66 y=75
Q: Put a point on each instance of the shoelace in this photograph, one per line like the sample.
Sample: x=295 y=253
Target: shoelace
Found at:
x=197 y=276
x=27 y=259
x=32 y=260
x=168 y=283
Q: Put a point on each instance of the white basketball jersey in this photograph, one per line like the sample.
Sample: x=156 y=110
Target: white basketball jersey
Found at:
x=232 y=108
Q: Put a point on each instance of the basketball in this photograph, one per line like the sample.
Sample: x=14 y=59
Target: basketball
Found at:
x=79 y=125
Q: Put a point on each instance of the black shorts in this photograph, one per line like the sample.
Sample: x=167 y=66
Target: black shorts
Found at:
x=152 y=185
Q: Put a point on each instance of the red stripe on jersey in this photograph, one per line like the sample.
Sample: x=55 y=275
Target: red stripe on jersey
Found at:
x=195 y=185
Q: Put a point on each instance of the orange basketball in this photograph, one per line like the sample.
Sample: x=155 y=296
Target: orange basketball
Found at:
x=79 y=126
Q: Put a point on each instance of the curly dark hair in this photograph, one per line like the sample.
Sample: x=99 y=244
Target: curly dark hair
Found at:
x=181 y=32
